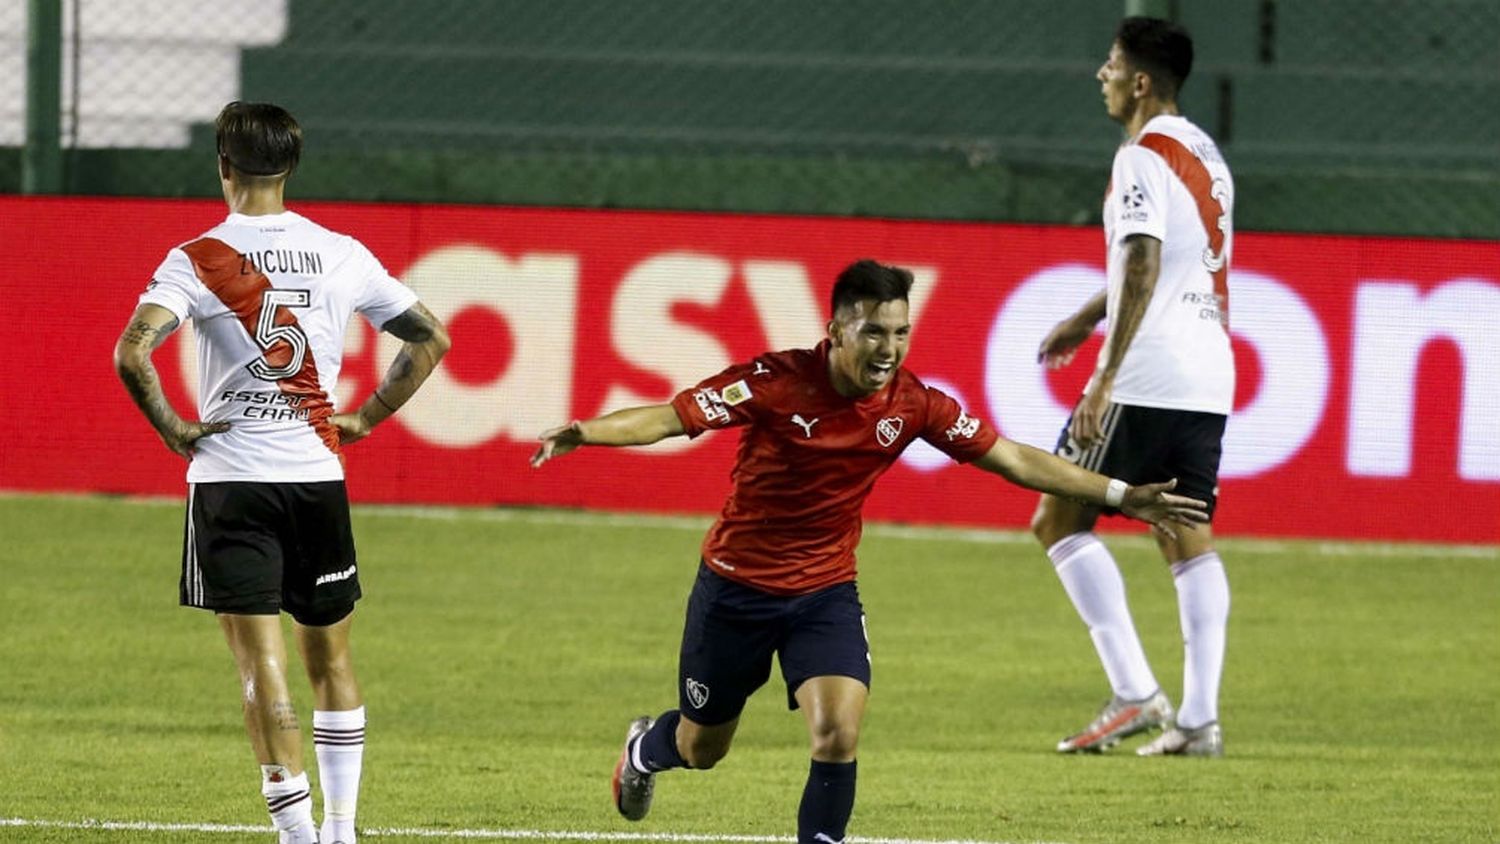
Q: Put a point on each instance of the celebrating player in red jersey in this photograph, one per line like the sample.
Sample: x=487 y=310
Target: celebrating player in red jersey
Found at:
x=777 y=574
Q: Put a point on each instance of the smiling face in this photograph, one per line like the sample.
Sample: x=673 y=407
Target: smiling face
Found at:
x=868 y=341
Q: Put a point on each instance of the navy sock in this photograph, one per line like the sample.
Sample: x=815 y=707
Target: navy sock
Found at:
x=657 y=749
x=827 y=802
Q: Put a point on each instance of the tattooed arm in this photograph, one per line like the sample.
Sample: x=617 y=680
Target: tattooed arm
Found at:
x=426 y=343
x=148 y=327
x=1142 y=266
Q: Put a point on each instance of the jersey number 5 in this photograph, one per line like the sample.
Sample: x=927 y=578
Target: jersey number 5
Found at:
x=268 y=334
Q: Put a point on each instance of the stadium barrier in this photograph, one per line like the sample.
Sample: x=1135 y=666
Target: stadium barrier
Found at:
x=1370 y=367
x=1345 y=116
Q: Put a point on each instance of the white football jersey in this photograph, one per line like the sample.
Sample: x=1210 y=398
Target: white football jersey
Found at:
x=270 y=298
x=1171 y=183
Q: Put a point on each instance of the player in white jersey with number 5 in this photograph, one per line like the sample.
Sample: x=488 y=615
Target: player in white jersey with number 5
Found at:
x=1160 y=394
x=271 y=295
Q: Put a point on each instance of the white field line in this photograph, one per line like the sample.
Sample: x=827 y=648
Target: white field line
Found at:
x=983 y=536
x=479 y=834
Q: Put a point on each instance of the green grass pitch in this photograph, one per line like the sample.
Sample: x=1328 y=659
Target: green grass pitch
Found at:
x=502 y=653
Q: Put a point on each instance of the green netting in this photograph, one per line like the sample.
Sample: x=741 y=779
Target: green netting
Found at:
x=1337 y=115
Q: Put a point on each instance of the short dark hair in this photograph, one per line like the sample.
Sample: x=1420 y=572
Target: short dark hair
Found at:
x=1161 y=48
x=258 y=139
x=867 y=279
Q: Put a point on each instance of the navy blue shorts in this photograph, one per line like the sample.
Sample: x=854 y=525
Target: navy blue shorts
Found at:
x=732 y=630
x=1145 y=445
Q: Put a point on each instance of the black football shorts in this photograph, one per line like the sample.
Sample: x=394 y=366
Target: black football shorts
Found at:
x=1151 y=444
x=260 y=548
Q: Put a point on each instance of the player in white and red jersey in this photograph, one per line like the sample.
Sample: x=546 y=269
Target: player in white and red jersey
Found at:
x=777 y=575
x=1160 y=394
x=270 y=294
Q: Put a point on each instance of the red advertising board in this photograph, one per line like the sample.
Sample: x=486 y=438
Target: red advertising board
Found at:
x=1367 y=404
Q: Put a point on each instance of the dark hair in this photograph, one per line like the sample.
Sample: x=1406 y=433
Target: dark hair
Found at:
x=867 y=279
x=258 y=139
x=1161 y=48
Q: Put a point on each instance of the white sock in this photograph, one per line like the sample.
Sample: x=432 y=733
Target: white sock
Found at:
x=339 y=739
x=1203 y=607
x=289 y=800
x=1093 y=581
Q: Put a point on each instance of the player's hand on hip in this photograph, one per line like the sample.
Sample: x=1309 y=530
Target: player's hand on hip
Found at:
x=557 y=441
x=353 y=427
x=1087 y=424
x=1157 y=506
x=184 y=438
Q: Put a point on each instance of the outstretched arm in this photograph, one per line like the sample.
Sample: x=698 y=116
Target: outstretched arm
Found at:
x=1036 y=469
x=426 y=343
x=631 y=426
x=148 y=327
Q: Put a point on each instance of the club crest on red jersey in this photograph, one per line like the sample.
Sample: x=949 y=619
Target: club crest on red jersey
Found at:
x=888 y=430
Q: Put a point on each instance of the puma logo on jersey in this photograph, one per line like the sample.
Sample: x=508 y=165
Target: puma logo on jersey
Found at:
x=806 y=425
x=761 y=369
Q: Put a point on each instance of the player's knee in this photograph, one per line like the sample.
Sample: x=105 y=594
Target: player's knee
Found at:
x=703 y=761
x=262 y=672
x=702 y=747
x=834 y=741
x=1044 y=524
x=1055 y=520
x=331 y=669
x=263 y=680
x=703 y=754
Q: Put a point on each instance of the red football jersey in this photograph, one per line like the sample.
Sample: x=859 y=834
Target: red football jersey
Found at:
x=807 y=460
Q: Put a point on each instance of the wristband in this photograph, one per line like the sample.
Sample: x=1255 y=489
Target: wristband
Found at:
x=1114 y=494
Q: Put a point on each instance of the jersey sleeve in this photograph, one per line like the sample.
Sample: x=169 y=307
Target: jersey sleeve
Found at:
x=174 y=286
x=951 y=430
x=727 y=400
x=1141 y=182
x=383 y=297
